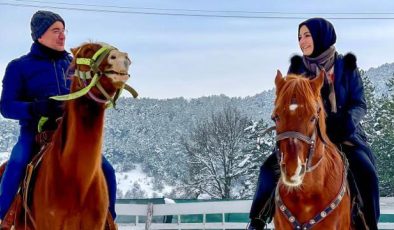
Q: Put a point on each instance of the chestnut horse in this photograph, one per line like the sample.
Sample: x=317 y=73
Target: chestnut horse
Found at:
x=312 y=189
x=70 y=190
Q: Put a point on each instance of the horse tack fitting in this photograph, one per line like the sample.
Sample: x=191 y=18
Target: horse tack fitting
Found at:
x=94 y=62
x=79 y=93
x=311 y=141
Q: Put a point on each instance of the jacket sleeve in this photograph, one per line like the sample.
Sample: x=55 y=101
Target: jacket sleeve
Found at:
x=11 y=103
x=342 y=126
x=357 y=106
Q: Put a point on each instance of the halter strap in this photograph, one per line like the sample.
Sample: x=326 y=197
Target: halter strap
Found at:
x=97 y=58
x=78 y=93
x=309 y=140
x=94 y=63
x=297 y=135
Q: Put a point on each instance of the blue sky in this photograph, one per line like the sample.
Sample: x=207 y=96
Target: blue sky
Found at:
x=183 y=56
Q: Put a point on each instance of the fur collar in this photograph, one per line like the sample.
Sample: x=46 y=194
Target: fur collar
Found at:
x=349 y=60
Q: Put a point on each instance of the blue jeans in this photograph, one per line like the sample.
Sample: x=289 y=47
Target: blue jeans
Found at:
x=21 y=155
x=110 y=177
x=268 y=178
x=14 y=172
x=361 y=164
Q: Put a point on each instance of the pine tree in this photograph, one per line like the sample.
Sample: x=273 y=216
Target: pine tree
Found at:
x=369 y=121
x=258 y=148
x=383 y=146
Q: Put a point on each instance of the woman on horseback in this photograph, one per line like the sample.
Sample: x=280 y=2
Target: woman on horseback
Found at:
x=345 y=106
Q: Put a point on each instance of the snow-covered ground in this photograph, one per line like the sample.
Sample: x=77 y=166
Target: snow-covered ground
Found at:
x=136 y=182
x=131 y=183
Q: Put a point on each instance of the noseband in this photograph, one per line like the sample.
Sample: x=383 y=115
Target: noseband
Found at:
x=311 y=141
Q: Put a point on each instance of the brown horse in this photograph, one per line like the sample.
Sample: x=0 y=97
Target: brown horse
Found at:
x=70 y=190
x=312 y=189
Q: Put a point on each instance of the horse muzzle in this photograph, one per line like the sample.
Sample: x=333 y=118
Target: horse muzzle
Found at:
x=292 y=178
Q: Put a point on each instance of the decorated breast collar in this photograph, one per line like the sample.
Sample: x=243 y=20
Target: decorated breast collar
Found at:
x=320 y=216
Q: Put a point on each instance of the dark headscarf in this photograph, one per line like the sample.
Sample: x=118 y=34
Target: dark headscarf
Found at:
x=323 y=55
x=323 y=34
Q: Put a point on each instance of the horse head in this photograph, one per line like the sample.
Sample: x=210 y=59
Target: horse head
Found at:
x=299 y=119
x=100 y=71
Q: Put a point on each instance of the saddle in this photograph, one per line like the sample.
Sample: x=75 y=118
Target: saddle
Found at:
x=19 y=211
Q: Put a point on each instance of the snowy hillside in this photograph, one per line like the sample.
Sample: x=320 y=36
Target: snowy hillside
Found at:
x=144 y=137
x=379 y=77
x=136 y=184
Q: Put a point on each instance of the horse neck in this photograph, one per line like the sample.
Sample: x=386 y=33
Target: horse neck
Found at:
x=84 y=136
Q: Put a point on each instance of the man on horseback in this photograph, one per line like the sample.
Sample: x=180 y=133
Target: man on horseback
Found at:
x=28 y=83
x=344 y=102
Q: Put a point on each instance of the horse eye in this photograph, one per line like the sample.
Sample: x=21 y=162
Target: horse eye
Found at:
x=113 y=57
x=313 y=119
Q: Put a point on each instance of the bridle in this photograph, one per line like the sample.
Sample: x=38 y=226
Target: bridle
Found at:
x=311 y=141
x=94 y=63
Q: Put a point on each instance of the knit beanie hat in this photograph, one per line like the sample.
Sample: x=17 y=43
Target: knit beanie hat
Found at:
x=41 y=21
x=323 y=34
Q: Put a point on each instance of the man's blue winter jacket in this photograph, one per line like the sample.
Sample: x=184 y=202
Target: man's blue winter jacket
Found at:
x=33 y=77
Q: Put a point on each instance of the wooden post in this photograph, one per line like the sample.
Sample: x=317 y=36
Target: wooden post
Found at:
x=149 y=215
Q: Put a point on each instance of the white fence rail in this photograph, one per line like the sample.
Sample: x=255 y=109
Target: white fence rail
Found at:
x=204 y=208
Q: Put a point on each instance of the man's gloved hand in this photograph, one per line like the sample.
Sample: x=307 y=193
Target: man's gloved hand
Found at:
x=47 y=108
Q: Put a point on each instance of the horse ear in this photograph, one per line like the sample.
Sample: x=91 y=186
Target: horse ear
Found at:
x=73 y=51
x=279 y=81
x=317 y=82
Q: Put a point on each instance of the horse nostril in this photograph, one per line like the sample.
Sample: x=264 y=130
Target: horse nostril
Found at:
x=303 y=168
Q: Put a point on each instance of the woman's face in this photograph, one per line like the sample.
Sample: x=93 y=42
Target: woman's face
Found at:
x=305 y=41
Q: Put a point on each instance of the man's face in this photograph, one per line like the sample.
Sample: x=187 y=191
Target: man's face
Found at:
x=54 y=37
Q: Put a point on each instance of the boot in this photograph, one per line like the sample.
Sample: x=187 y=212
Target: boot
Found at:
x=256 y=224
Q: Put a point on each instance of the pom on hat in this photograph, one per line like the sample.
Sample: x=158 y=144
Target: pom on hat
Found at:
x=41 y=21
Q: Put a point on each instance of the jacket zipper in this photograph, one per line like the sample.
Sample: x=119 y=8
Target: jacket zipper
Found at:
x=56 y=75
x=64 y=78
